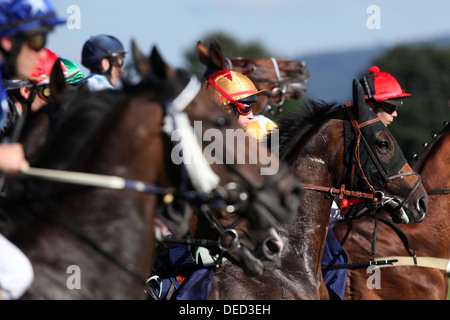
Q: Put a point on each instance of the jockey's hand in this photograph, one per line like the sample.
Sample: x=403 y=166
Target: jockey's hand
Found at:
x=12 y=158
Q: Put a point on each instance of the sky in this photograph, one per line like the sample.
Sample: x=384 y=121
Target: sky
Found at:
x=287 y=28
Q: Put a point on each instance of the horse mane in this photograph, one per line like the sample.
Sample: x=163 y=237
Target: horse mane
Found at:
x=429 y=149
x=76 y=129
x=85 y=116
x=294 y=125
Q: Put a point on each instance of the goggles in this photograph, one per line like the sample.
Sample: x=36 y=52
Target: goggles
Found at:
x=389 y=108
x=119 y=61
x=36 y=41
x=243 y=108
x=44 y=92
x=391 y=105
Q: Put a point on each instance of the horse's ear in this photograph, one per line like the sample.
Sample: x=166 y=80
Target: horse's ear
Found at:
x=159 y=67
x=203 y=54
x=58 y=86
x=141 y=62
x=359 y=102
x=216 y=55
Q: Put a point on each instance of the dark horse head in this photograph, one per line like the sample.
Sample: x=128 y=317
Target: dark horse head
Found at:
x=263 y=199
x=382 y=167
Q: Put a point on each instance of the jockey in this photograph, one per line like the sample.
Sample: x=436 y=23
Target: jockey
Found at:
x=24 y=25
x=104 y=56
x=34 y=93
x=383 y=94
x=236 y=92
x=30 y=93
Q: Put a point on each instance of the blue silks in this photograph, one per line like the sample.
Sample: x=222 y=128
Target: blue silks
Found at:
x=196 y=287
x=334 y=254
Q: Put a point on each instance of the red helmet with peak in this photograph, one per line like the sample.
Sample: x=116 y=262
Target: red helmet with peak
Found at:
x=381 y=86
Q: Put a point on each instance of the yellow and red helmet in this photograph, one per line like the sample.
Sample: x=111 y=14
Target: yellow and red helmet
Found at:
x=228 y=86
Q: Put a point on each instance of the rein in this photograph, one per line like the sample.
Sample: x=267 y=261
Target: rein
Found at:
x=395 y=261
x=439 y=191
x=342 y=192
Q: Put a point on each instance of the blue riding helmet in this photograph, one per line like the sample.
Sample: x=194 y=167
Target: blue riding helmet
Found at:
x=100 y=47
x=22 y=16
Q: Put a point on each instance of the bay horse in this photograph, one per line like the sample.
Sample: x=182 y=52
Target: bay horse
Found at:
x=428 y=239
x=321 y=146
x=282 y=79
x=81 y=239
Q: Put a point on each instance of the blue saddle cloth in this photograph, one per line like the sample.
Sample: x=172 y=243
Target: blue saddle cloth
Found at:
x=334 y=254
x=196 y=287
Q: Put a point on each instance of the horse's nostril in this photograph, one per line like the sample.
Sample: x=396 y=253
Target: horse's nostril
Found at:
x=423 y=203
x=273 y=245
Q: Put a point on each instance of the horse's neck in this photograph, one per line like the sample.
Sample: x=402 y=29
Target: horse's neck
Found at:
x=435 y=230
x=314 y=213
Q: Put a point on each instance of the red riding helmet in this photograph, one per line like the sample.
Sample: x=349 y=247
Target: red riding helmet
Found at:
x=381 y=86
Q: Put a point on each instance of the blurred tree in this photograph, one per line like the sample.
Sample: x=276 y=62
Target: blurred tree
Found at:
x=230 y=47
x=425 y=73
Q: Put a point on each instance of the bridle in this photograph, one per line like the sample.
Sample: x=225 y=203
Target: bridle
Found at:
x=378 y=198
x=280 y=89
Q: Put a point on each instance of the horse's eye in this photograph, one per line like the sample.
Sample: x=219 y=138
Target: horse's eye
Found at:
x=382 y=144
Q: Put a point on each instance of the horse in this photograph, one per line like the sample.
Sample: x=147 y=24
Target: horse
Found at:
x=411 y=277
x=98 y=242
x=322 y=145
x=282 y=79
